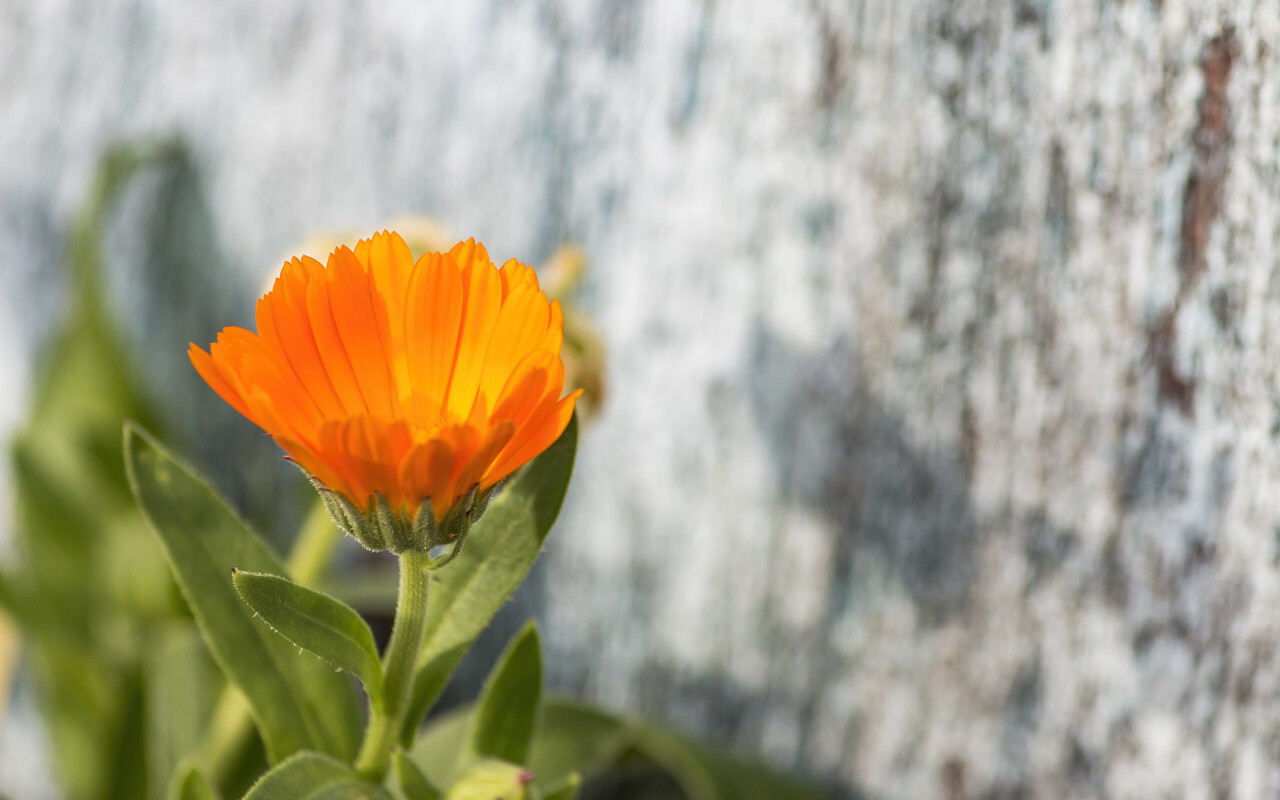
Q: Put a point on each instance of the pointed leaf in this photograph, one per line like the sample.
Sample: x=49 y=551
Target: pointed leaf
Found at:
x=413 y=784
x=505 y=714
x=315 y=622
x=567 y=790
x=501 y=549
x=576 y=738
x=312 y=776
x=440 y=748
x=298 y=701
x=707 y=774
x=190 y=784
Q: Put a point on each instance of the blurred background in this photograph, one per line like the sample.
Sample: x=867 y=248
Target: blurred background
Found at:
x=937 y=449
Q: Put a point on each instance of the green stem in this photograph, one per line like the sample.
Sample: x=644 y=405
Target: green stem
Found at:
x=398 y=667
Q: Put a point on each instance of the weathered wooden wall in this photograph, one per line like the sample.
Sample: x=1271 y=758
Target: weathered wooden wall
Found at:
x=941 y=452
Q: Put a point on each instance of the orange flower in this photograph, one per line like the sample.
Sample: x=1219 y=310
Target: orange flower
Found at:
x=393 y=382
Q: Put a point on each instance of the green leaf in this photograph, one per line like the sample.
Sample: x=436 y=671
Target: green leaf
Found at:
x=298 y=701
x=58 y=541
x=492 y=780
x=181 y=686
x=567 y=790
x=576 y=738
x=439 y=747
x=315 y=622
x=413 y=784
x=500 y=550
x=190 y=784
x=706 y=774
x=312 y=776
x=503 y=723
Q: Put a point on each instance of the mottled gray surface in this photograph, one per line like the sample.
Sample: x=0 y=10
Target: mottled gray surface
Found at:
x=940 y=458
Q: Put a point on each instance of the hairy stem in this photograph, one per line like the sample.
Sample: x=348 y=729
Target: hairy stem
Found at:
x=398 y=667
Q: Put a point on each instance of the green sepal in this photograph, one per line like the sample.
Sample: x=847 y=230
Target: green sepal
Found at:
x=507 y=711
x=412 y=783
x=312 y=776
x=315 y=622
x=396 y=529
x=425 y=526
x=382 y=527
x=346 y=516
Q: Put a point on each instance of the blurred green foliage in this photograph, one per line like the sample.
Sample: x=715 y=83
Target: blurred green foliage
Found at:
x=91 y=592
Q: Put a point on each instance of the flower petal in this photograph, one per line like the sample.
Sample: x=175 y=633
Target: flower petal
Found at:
x=521 y=325
x=432 y=315
x=212 y=374
x=532 y=439
x=426 y=473
x=482 y=301
x=390 y=265
x=412 y=380
x=332 y=351
x=361 y=318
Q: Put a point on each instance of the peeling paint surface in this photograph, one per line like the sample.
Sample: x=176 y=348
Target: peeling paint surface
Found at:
x=941 y=452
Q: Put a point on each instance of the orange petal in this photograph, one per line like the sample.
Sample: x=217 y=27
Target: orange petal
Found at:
x=554 y=337
x=365 y=453
x=514 y=275
x=539 y=374
x=470 y=254
x=521 y=325
x=483 y=457
x=310 y=460
x=208 y=369
x=361 y=319
x=426 y=472
x=390 y=264
x=304 y=269
x=296 y=348
x=532 y=440
x=289 y=312
x=481 y=301
x=432 y=315
x=333 y=354
x=258 y=369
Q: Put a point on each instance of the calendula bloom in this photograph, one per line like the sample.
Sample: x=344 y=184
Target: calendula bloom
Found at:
x=406 y=390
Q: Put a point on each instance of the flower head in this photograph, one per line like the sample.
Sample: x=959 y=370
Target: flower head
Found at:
x=405 y=389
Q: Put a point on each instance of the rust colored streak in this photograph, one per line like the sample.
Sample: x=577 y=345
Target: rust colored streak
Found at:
x=1201 y=207
x=832 y=67
x=1171 y=384
x=1211 y=141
